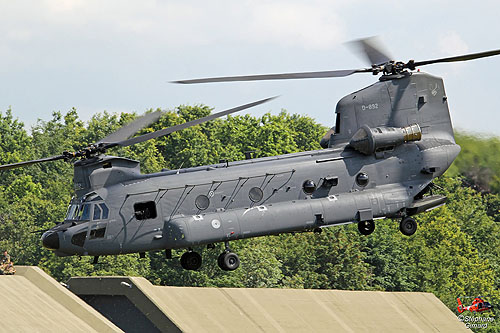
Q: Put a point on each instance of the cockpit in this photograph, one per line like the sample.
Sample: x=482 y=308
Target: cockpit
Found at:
x=87 y=208
x=90 y=213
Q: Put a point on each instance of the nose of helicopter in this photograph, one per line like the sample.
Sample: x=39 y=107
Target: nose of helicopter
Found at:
x=50 y=240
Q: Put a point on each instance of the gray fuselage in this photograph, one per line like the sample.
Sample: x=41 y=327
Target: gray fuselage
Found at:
x=271 y=195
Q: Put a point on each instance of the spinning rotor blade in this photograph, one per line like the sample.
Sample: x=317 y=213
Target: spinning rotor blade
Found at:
x=283 y=76
x=179 y=127
x=464 y=57
x=27 y=163
x=372 y=49
x=125 y=132
x=133 y=127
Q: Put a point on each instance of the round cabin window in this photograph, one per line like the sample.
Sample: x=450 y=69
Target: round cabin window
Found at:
x=255 y=194
x=362 y=179
x=308 y=186
x=202 y=202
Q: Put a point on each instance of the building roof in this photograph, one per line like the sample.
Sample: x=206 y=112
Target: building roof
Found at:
x=192 y=309
x=31 y=301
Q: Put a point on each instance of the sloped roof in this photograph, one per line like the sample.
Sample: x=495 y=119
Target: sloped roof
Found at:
x=191 y=309
x=31 y=301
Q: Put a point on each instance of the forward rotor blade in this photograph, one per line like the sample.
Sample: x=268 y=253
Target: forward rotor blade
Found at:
x=283 y=76
x=133 y=127
x=27 y=163
x=464 y=57
x=372 y=49
x=179 y=127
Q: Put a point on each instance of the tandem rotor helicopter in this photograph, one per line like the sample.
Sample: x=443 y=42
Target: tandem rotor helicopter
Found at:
x=390 y=140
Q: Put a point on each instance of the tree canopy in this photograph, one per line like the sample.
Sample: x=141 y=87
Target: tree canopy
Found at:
x=455 y=252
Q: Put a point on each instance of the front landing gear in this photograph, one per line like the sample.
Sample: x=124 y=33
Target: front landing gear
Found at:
x=366 y=227
x=191 y=260
x=408 y=226
x=228 y=260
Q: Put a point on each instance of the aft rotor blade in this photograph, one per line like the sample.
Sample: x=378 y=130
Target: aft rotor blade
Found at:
x=283 y=76
x=130 y=129
x=372 y=49
x=27 y=163
x=179 y=127
x=465 y=57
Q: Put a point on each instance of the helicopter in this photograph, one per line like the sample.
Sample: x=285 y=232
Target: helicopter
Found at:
x=390 y=140
x=477 y=305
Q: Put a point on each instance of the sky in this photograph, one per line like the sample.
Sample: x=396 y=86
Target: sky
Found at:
x=120 y=55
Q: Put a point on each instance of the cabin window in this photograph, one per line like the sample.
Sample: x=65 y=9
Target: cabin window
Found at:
x=308 y=186
x=145 y=210
x=255 y=194
x=97 y=232
x=362 y=179
x=202 y=202
x=78 y=239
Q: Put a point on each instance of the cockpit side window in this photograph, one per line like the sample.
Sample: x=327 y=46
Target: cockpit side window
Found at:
x=105 y=211
x=101 y=212
x=337 y=124
x=97 y=212
x=79 y=238
x=97 y=232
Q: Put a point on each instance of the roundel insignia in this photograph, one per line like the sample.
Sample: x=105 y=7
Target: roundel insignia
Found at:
x=216 y=224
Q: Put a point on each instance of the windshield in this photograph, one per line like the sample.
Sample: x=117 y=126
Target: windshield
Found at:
x=78 y=210
x=81 y=209
x=73 y=209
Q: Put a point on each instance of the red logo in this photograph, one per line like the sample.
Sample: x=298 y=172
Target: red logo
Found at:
x=478 y=305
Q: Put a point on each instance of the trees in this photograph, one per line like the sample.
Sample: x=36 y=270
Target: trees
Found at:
x=455 y=252
x=478 y=162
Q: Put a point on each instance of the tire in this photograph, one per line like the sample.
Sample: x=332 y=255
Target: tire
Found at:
x=408 y=226
x=183 y=260
x=220 y=261
x=191 y=261
x=366 y=227
x=231 y=261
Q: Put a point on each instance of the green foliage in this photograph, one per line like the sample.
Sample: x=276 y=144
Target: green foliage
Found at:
x=455 y=252
x=478 y=162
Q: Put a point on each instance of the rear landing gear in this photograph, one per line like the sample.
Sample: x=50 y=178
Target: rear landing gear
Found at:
x=228 y=261
x=191 y=261
x=366 y=227
x=408 y=226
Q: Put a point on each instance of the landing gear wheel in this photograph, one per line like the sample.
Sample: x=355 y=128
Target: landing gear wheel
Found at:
x=191 y=261
x=228 y=261
x=408 y=226
x=366 y=227
x=220 y=260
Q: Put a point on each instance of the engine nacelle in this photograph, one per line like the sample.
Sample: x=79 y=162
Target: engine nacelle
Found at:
x=379 y=139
